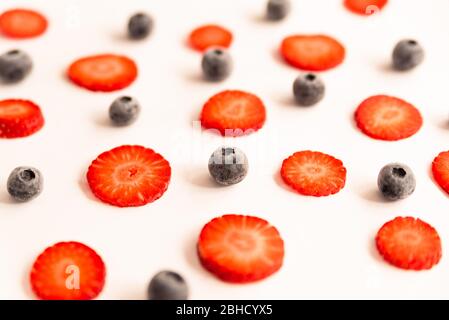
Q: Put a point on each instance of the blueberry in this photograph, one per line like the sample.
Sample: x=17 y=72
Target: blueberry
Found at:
x=308 y=89
x=25 y=183
x=278 y=9
x=140 y=26
x=124 y=111
x=15 y=65
x=168 y=285
x=228 y=166
x=216 y=64
x=407 y=55
x=396 y=181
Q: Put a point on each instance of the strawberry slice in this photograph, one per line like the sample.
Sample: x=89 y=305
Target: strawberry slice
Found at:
x=440 y=170
x=240 y=249
x=68 y=271
x=210 y=35
x=129 y=176
x=312 y=52
x=365 y=7
x=107 y=72
x=19 y=118
x=314 y=173
x=22 y=23
x=233 y=113
x=388 y=118
x=409 y=243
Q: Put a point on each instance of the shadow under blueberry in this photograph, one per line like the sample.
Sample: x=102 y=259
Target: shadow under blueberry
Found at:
x=136 y=294
x=373 y=195
x=123 y=37
x=288 y=100
x=444 y=124
x=260 y=18
x=5 y=198
x=388 y=67
x=196 y=77
x=104 y=121
x=200 y=177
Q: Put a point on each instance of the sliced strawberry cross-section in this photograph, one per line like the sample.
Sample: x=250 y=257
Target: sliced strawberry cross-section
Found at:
x=106 y=72
x=233 y=113
x=388 y=118
x=440 y=170
x=365 y=7
x=314 y=173
x=409 y=243
x=68 y=271
x=22 y=23
x=312 y=52
x=210 y=35
x=19 y=118
x=240 y=249
x=129 y=176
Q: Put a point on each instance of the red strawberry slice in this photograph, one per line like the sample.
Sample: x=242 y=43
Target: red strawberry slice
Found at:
x=388 y=118
x=409 y=243
x=233 y=113
x=240 y=249
x=210 y=35
x=19 y=118
x=314 y=173
x=365 y=7
x=440 y=170
x=68 y=271
x=312 y=52
x=22 y=23
x=107 y=72
x=129 y=176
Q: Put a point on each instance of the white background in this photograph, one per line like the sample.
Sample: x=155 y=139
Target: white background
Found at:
x=330 y=250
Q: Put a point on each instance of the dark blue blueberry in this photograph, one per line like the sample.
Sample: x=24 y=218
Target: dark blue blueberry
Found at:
x=216 y=64
x=124 y=111
x=168 y=285
x=407 y=55
x=25 y=183
x=278 y=9
x=396 y=181
x=140 y=26
x=228 y=166
x=308 y=89
x=15 y=65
